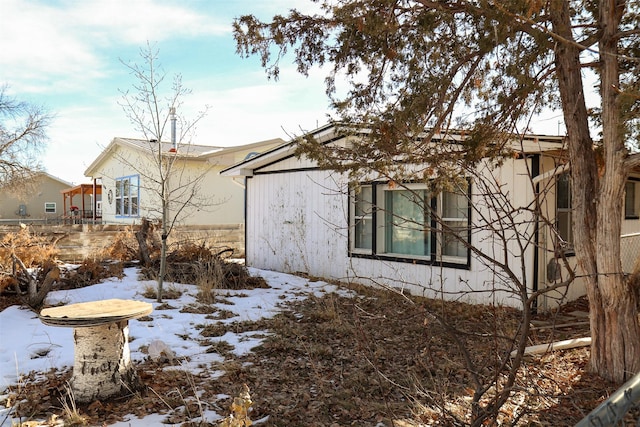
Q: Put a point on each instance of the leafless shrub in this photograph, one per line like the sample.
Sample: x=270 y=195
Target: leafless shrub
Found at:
x=207 y=268
x=31 y=248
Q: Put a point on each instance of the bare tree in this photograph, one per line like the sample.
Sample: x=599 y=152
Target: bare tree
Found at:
x=493 y=360
x=23 y=134
x=176 y=187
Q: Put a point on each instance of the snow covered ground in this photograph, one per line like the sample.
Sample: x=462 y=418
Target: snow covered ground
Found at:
x=27 y=345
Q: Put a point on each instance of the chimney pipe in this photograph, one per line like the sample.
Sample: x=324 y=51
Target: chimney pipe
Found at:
x=172 y=116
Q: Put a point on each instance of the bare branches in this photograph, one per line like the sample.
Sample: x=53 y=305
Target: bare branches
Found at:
x=169 y=176
x=23 y=129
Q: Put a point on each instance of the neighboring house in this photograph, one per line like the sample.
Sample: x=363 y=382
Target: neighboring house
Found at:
x=300 y=218
x=127 y=174
x=36 y=202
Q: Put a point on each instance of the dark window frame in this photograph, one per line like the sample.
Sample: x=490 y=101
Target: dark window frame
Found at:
x=564 y=215
x=378 y=231
x=632 y=199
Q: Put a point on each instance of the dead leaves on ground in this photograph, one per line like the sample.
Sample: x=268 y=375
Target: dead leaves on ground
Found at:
x=364 y=360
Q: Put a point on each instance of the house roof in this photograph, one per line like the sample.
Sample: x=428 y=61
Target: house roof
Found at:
x=186 y=150
x=334 y=131
x=192 y=151
x=55 y=178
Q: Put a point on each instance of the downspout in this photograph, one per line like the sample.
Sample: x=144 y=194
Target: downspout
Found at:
x=95 y=201
x=535 y=175
x=550 y=173
x=246 y=217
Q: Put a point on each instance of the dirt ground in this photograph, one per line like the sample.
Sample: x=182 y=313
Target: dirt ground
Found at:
x=378 y=359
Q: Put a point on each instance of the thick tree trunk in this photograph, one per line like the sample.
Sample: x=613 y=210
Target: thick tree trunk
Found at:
x=102 y=365
x=142 y=236
x=615 y=352
x=597 y=194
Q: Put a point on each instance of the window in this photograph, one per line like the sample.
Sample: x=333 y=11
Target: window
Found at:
x=406 y=222
x=363 y=218
x=50 y=207
x=632 y=199
x=400 y=222
x=127 y=195
x=564 y=216
x=455 y=214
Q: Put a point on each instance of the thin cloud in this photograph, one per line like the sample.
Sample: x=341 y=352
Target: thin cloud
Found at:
x=69 y=43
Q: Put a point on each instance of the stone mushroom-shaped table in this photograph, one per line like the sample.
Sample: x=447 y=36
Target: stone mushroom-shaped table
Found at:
x=102 y=364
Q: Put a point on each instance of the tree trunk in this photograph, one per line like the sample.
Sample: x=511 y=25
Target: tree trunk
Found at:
x=36 y=301
x=163 y=266
x=163 y=247
x=597 y=194
x=615 y=352
x=102 y=365
x=142 y=236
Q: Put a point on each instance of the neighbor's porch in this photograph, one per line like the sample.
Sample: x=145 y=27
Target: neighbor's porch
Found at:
x=82 y=203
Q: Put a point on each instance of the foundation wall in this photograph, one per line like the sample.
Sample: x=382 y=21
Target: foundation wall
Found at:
x=79 y=241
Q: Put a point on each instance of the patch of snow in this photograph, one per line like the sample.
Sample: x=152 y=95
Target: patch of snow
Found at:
x=27 y=345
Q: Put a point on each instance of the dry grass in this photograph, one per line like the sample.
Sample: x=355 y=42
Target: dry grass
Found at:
x=207 y=268
x=368 y=360
x=72 y=417
x=123 y=247
x=33 y=249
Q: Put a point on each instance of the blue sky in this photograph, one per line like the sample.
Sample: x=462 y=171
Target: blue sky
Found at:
x=66 y=56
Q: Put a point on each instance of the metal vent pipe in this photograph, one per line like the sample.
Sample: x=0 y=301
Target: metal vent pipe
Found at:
x=172 y=116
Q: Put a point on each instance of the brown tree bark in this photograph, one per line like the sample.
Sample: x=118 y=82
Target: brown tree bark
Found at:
x=36 y=301
x=142 y=236
x=615 y=329
x=597 y=196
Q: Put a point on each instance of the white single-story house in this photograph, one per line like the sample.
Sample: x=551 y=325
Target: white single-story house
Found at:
x=301 y=218
x=127 y=173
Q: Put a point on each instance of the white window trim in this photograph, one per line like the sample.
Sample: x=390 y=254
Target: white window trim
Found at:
x=440 y=235
x=55 y=207
x=119 y=199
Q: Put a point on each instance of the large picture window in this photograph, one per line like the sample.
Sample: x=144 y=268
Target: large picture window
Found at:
x=127 y=195
x=408 y=223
